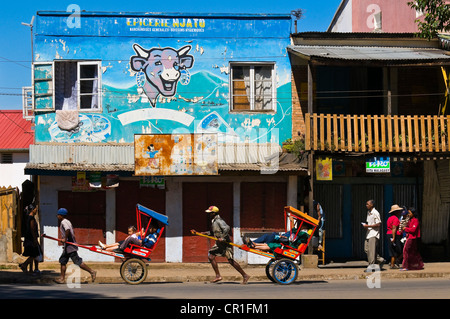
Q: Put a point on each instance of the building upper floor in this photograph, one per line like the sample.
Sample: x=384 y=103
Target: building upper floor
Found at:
x=371 y=92
x=104 y=77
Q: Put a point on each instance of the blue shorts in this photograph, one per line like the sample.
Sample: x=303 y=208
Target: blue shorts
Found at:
x=64 y=259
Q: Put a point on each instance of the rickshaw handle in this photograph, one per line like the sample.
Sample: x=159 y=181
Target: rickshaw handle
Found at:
x=243 y=247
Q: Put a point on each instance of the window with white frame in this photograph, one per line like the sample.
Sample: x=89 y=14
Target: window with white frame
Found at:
x=77 y=85
x=253 y=86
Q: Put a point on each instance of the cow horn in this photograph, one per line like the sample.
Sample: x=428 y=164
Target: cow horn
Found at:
x=184 y=50
x=140 y=51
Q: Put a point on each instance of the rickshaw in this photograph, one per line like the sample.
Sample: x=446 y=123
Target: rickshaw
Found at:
x=133 y=269
x=282 y=267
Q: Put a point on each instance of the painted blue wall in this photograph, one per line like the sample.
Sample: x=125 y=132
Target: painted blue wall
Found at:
x=200 y=100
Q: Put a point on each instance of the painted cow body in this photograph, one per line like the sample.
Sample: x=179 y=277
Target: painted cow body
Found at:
x=162 y=68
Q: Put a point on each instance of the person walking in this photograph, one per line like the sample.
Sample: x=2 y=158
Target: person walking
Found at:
x=31 y=246
x=69 y=250
x=412 y=260
x=320 y=216
x=371 y=243
x=394 y=235
x=221 y=230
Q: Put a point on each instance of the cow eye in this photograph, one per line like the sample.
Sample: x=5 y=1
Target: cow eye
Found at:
x=176 y=66
x=158 y=63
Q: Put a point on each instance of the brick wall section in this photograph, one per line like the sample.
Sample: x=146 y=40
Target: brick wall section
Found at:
x=298 y=116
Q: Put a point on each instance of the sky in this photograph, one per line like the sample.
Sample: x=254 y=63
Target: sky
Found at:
x=15 y=38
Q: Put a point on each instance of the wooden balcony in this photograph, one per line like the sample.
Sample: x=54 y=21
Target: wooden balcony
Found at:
x=377 y=133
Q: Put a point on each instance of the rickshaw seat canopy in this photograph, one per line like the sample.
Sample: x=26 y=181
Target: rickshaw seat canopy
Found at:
x=151 y=213
x=301 y=215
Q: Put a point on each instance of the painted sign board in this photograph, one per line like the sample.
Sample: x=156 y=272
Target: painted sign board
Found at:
x=378 y=165
x=324 y=169
x=175 y=154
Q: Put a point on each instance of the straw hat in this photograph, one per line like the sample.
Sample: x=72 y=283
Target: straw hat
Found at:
x=395 y=208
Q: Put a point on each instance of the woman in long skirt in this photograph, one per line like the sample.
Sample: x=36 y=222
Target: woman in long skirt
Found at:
x=411 y=256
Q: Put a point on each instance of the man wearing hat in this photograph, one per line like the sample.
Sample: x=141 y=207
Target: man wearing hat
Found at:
x=221 y=230
x=394 y=235
x=69 y=251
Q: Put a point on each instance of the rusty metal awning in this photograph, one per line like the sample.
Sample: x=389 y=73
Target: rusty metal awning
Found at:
x=371 y=53
x=120 y=157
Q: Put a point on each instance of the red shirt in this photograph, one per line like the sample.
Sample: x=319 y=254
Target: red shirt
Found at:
x=391 y=222
x=413 y=228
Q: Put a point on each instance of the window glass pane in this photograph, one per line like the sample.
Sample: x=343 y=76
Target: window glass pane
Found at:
x=263 y=88
x=239 y=72
x=88 y=71
x=88 y=86
x=241 y=88
x=65 y=85
x=252 y=87
x=89 y=101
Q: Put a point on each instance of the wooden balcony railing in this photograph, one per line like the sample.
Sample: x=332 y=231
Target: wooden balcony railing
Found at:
x=377 y=133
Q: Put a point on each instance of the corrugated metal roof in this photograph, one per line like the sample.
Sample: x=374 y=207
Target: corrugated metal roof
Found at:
x=82 y=157
x=15 y=131
x=120 y=157
x=370 y=53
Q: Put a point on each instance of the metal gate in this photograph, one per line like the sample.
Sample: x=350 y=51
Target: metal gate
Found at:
x=198 y=196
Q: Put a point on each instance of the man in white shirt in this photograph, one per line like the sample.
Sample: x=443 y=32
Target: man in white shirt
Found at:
x=372 y=226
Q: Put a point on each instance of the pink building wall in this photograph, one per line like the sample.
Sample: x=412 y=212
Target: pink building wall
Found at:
x=396 y=15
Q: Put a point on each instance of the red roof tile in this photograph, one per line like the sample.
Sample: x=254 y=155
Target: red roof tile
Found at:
x=15 y=131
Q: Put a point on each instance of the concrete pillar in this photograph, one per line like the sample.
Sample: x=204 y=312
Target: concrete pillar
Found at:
x=110 y=216
x=292 y=191
x=174 y=210
x=239 y=255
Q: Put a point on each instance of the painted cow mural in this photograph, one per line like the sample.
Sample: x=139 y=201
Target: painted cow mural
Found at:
x=162 y=68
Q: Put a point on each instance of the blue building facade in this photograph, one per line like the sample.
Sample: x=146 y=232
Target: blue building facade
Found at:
x=101 y=79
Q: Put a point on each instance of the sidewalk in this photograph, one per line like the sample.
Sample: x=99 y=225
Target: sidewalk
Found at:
x=202 y=272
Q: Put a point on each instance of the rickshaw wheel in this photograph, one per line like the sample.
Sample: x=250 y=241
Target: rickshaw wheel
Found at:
x=133 y=271
x=269 y=269
x=284 y=271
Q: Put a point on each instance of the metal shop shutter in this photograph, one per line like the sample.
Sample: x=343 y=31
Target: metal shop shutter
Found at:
x=196 y=198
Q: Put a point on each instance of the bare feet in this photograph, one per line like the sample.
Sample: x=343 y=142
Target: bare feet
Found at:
x=217 y=279
x=59 y=281
x=246 y=278
x=93 y=275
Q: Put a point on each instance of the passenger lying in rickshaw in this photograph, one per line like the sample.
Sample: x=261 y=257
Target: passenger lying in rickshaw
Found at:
x=270 y=242
x=135 y=239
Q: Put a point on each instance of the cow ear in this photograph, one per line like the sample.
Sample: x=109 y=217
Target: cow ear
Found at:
x=137 y=63
x=184 y=50
x=187 y=61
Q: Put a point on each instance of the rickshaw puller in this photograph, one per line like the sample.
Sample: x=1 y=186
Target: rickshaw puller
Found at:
x=220 y=230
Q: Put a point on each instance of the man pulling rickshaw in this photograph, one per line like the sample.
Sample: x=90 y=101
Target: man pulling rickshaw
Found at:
x=284 y=255
x=221 y=232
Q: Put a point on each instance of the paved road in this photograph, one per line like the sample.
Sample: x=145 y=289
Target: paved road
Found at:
x=430 y=288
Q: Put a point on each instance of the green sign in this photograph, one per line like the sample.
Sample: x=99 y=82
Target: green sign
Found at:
x=378 y=165
x=152 y=181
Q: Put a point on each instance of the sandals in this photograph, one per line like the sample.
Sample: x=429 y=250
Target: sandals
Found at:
x=248 y=242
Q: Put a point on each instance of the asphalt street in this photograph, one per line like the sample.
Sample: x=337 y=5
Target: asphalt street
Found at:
x=421 y=289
